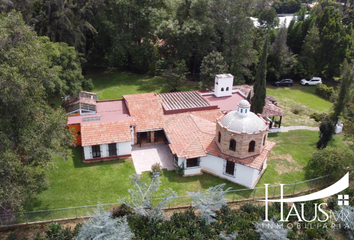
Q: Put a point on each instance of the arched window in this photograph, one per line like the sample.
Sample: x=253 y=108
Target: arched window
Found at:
x=227 y=89
x=232 y=145
x=264 y=140
x=251 y=146
x=219 y=137
x=222 y=89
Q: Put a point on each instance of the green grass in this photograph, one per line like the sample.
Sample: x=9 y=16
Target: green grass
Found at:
x=288 y=159
x=74 y=183
x=112 y=85
x=301 y=95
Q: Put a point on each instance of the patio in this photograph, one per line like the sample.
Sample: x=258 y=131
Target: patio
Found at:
x=146 y=155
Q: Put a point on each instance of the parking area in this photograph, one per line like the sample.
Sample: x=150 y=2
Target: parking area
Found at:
x=146 y=155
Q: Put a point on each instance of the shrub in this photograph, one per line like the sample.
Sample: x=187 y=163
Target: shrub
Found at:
x=142 y=196
x=296 y=110
x=323 y=91
x=317 y=116
x=179 y=169
x=101 y=225
x=156 y=167
x=209 y=201
x=345 y=217
x=12 y=236
x=121 y=211
x=330 y=161
x=270 y=229
x=56 y=231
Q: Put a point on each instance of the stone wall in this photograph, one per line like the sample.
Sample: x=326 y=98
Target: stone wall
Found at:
x=242 y=139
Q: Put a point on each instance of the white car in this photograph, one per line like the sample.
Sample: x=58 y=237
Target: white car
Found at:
x=312 y=82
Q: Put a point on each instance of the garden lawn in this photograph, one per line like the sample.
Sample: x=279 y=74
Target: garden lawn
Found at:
x=112 y=85
x=74 y=183
x=301 y=95
x=288 y=159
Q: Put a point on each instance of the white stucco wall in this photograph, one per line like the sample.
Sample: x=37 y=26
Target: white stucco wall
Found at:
x=190 y=170
x=223 y=82
x=243 y=175
x=123 y=148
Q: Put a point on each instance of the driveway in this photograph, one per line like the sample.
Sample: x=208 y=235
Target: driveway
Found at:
x=146 y=155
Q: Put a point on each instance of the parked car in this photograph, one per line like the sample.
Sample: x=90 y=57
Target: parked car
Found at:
x=312 y=82
x=284 y=82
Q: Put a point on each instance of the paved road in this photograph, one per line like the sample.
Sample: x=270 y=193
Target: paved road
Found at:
x=287 y=129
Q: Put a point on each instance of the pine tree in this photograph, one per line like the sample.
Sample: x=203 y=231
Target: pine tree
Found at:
x=259 y=88
x=213 y=199
x=142 y=196
x=101 y=225
x=347 y=80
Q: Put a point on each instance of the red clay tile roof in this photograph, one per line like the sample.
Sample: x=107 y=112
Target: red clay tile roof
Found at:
x=147 y=110
x=104 y=133
x=271 y=110
x=183 y=133
x=255 y=162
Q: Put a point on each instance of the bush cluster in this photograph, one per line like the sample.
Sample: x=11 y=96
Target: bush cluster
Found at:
x=317 y=116
x=323 y=91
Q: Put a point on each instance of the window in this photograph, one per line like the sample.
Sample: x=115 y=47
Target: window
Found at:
x=241 y=110
x=251 y=146
x=245 y=110
x=264 y=140
x=232 y=145
x=227 y=89
x=222 y=89
x=260 y=170
x=192 y=162
x=219 y=137
x=230 y=168
x=96 y=151
x=112 y=149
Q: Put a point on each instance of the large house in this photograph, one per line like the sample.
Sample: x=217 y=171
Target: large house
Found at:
x=212 y=132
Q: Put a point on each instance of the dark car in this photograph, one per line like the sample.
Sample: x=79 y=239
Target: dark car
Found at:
x=284 y=82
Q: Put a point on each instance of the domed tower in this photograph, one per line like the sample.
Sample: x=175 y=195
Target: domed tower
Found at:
x=241 y=133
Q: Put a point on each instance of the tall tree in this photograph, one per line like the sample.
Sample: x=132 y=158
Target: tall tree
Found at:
x=259 y=88
x=235 y=29
x=176 y=75
x=335 y=43
x=309 y=51
x=212 y=64
x=346 y=85
x=66 y=60
x=188 y=32
x=31 y=131
x=280 y=58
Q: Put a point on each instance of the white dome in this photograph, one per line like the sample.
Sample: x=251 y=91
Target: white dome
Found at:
x=244 y=103
x=249 y=123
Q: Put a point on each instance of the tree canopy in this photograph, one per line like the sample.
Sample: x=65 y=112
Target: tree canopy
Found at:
x=31 y=131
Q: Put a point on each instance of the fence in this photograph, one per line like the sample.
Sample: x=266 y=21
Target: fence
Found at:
x=234 y=196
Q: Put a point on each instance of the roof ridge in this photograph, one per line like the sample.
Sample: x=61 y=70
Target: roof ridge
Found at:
x=196 y=138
